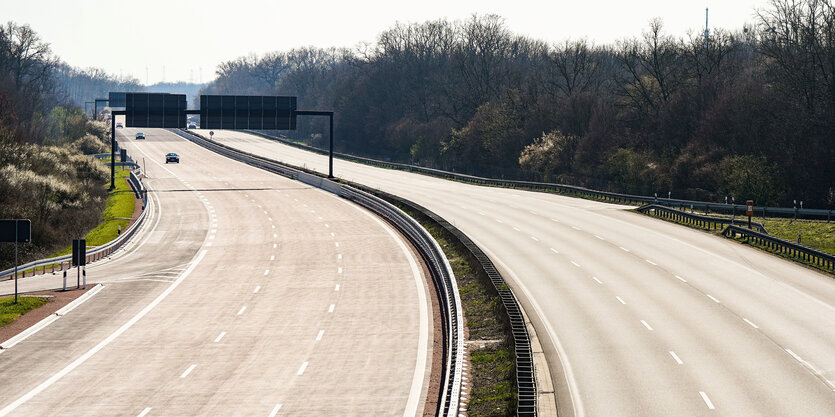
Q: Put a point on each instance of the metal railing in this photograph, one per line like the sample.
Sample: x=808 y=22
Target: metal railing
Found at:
x=92 y=255
x=811 y=255
x=737 y=209
x=442 y=277
x=697 y=220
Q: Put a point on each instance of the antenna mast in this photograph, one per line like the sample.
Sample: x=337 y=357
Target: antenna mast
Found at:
x=707 y=31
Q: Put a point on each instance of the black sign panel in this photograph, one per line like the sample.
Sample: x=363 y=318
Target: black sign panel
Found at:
x=116 y=100
x=22 y=227
x=248 y=112
x=155 y=110
x=79 y=252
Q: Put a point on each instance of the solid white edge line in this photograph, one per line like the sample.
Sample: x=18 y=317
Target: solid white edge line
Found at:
x=568 y=371
x=575 y=264
x=620 y=299
x=651 y=262
x=751 y=323
x=676 y=358
x=712 y=298
x=646 y=325
x=623 y=249
x=302 y=368
x=319 y=335
x=40 y=325
x=681 y=279
x=188 y=371
x=554 y=250
x=598 y=280
x=275 y=410
x=87 y=355
x=241 y=311
x=144 y=412
x=707 y=400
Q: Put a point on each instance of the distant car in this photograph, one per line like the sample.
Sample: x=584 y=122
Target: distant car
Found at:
x=192 y=126
x=119 y=124
x=172 y=157
x=140 y=135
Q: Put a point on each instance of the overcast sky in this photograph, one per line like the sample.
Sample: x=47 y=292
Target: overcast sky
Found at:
x=188 y=38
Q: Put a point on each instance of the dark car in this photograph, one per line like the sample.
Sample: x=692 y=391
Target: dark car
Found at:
x=192 y=126
x=119 y=124
x=172 y=157
x=140 y=135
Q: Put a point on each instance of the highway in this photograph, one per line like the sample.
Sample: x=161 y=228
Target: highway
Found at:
x=637 y=316
x=245 y=293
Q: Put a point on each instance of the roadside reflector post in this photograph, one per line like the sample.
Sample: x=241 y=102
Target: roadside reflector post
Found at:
x=749 y=210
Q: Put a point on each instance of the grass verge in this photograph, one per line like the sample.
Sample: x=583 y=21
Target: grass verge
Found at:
x=9 y=311
x=493 y=371
x=118 y=211
x=816 y=234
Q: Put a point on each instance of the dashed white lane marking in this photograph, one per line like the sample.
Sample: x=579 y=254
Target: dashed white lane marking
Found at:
x=333 y=234
x=241 y=311
x=651 y=262
x=336 y=287
x=144 y=412
x=273 y=226
x=707 y=400
x=575 y=264
x=620 y=299
x=319 y=336
x=576 y=228
x=554 y=250
x=326 y=225
x=267 y=272
x=498 y=220
x=681 y=279
x=275 y=410
x=599 y=237
x=265 y=211
x=275 y=235
x=339 y=270
x=676 y=358
x=532 y=212
x=257 y=288
x=188 y=371
x=330 y=309
x=272 y=257
x=270 y=218
x=275 y=245
x=481 y=213
x=623 y=249
x=208 y=243
x=646 y=325
x=516 y=229
x=338 y=256
x=596 y=279
x=220 y=336
x=534 y=238
x=336 y=244
x=751 y=323
x=712 y=297
x=555 y=220
x=301 y=370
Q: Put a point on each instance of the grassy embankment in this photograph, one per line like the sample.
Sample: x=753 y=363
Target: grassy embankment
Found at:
x=117 y=212
x=9 y=311
x=492 y=374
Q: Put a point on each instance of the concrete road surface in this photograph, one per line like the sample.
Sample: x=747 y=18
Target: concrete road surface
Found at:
x=245 y=294
x=638 y=317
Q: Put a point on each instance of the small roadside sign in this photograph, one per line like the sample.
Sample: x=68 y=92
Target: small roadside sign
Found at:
x=15 y=231
x=211 y=133
x=749 y=208
x=79 y=252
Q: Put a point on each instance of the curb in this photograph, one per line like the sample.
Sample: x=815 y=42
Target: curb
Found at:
x=50 y=318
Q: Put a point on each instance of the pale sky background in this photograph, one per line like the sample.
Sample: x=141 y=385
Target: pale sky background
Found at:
x=189 y=38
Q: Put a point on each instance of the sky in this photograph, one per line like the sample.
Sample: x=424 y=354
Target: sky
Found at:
x=185 y=40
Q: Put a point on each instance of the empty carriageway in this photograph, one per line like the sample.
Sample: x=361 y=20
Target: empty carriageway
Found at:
x=282 y=300
x=637 y=316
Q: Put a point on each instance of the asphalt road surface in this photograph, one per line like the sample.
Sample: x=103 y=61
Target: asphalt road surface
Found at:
x=637 y=316
x=245 y=293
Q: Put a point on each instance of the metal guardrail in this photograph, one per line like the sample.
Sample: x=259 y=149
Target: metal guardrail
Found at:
x=138 y=188
x=442 y=276
x=737 y=209
x=819 y=258
x=525 y=376
x=92 y=256
x=706 y=222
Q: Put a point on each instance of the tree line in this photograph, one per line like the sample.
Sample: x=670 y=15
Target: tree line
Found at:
x=46 y=174
x=748 y=113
